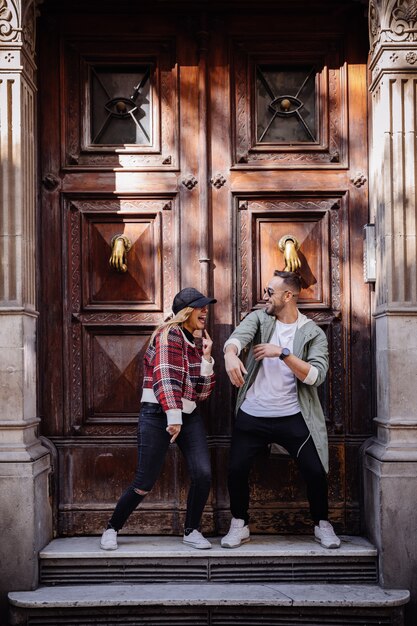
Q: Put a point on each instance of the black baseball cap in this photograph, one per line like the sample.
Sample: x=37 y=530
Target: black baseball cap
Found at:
x=190 y=297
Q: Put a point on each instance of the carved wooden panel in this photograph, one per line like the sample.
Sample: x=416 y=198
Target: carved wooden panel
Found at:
x=111 y=314
x=150 y=262
x=326 y=146
x=114 y=370
x=105 y=372
x=318 y=225
x=132 y=64
x=103 y=285
x=312 y=232
x=99 y=473
x=315 y=222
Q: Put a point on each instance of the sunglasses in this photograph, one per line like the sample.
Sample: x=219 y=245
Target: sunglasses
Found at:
x=271 y=292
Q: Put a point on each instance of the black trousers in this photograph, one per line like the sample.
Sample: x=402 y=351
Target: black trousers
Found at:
x=153 y=443
x=252 y=434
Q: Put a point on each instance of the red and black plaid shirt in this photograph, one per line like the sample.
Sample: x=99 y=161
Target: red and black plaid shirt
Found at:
x=172 y=371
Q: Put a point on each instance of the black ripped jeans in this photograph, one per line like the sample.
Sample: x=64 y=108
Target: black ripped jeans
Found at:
x=153 y=443
x=252 y=434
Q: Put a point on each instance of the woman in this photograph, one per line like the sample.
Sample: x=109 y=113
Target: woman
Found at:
x=176 y=375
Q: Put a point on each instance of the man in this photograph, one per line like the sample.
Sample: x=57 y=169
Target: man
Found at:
x=278 y=402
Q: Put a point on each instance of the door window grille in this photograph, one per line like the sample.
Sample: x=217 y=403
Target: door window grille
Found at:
x=286 y=105
x=121 y=105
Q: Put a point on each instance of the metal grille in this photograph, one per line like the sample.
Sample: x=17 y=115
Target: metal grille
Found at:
x=120 y=105
x=243 y=570
x=286 y=105
x=236 y=616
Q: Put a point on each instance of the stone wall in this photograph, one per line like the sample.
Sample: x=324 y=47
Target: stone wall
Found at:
x=390 y=463
x=24 y=462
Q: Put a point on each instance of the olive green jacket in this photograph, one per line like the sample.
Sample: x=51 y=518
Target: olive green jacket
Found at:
x=310 y=345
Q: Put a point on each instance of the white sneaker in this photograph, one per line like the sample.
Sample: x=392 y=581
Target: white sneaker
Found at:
x=108 y=540
x=196 y=540
x=324 y=534
x=238 y=533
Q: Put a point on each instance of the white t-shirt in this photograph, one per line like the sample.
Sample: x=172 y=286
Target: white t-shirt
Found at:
x=274 y=392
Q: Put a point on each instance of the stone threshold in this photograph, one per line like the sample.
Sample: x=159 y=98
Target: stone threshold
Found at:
x=137 y=547
x=209 y=594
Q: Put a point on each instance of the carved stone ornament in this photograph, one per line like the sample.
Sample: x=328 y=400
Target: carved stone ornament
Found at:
x=189 y=181
x=18 y=23
x=358 y=179
x=411 y=57
x=9 y=21
x=392 y=21
x=29 y=24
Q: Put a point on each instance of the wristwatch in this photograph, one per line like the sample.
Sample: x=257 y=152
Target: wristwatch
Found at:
x=284 y=353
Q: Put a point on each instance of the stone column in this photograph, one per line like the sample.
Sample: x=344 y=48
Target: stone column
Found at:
x=391 y=459
x=25 y=512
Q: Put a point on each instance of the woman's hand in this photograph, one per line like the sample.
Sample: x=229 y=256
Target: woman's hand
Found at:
x=174 y=430
x=207 y=346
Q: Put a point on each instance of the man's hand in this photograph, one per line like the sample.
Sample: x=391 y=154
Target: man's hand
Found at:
x=266 y=350
x=234 y=368
x=207 y=346
x=174 y=430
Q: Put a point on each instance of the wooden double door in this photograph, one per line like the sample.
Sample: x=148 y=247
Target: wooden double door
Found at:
x=203 y=137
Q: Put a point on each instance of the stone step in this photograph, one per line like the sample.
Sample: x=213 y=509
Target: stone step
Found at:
x=216 y=604
x=79 y=560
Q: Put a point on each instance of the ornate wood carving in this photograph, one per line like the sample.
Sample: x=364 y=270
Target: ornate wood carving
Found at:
x=75 y=376
x=338 y=382
x=168 y=262
x=243 y=266
x=335 y=256
x=145 y=319
x=189 y=181
x=120 y=206
x=29 y=25
x=324 y=318
x=241 y=108
x=359 y=179
x=218 y=180
x=74 y=279
x=292 y=205
x=50 y=182
x=336 y=121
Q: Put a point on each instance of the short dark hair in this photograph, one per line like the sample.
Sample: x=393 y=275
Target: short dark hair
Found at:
x=290 y=279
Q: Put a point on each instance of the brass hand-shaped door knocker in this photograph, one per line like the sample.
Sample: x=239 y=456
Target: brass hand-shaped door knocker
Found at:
x=120 y=246
x=289 y=245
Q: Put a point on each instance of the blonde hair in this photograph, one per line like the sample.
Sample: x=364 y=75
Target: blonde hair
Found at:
x=181 y=317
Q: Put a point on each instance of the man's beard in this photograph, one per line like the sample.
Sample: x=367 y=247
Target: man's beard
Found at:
x=272 y=310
